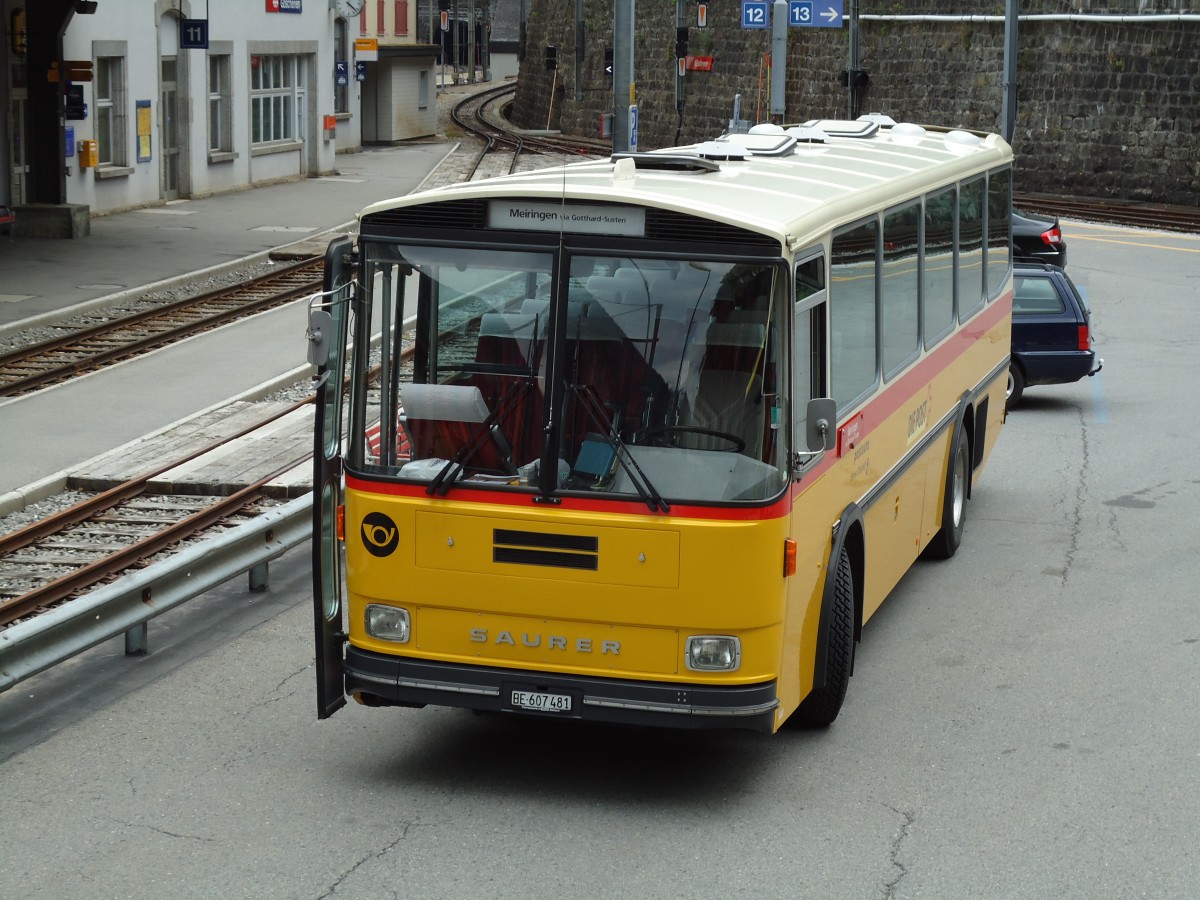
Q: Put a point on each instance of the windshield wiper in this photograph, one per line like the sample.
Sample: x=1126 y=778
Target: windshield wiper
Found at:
x=488 y=430
x=596 y=412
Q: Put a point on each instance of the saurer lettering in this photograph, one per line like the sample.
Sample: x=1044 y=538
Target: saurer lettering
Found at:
x=552 y=641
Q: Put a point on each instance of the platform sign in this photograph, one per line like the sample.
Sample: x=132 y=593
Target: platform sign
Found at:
x=827 y=14
x=360 y=70
x=193 y=34
x=755 y=14
x=633 y=126
x=800 y=13
x=341 y=72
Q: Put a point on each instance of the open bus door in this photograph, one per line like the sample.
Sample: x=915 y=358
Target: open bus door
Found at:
x=328 y=317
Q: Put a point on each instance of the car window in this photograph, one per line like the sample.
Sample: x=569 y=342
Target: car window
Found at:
x=1033 y=295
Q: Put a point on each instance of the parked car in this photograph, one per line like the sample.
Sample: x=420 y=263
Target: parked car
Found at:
x=1051 y=330
x=1037 y=237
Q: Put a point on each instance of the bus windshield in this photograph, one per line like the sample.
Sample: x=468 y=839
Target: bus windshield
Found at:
x=651 y=378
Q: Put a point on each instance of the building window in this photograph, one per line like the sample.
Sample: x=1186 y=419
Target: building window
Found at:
x=423 y=89
x=341 y=53
x=110 y=110
x=381 y=17
x=220 y=118
x=362 y=20
x=276 y=96
x=401 y=16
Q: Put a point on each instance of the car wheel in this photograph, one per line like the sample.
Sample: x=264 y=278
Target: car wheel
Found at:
x=823 y=704
x=954 y=503
x=1016 y=386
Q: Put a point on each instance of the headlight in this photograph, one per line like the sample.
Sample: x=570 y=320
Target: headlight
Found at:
x=709 y=652
x=388 y=623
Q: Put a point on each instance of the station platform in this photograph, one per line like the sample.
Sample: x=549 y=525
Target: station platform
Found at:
x=43 y=279
x=48 y=434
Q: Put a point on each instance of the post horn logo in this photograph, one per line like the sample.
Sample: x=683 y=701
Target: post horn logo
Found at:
x=379 y=534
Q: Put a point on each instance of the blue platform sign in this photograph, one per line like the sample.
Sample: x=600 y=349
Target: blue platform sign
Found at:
x=633 y=126
x=826 y=14
x=800 y=13
x=755 y=14
x=341 y=72
x=360 y=70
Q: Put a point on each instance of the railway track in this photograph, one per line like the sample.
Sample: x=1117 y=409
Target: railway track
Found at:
x=51 y=362
x=481 y=115
x=114 y=531
x=1118 y=212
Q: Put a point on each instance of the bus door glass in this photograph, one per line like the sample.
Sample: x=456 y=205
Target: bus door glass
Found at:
x=810 y=377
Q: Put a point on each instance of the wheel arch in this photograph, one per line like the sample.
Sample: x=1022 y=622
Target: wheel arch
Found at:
x=848 y=534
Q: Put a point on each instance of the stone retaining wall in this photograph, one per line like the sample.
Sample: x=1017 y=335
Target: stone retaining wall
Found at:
x=1105 y=109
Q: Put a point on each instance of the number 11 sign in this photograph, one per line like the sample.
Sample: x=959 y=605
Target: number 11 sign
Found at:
x=193 y=34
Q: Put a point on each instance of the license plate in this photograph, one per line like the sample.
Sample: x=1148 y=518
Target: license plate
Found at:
x=541 y=701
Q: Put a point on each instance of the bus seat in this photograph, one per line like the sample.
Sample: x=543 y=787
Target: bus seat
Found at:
x=510 y=339
x=728 y=397
x=632 y=285
x=441 y=419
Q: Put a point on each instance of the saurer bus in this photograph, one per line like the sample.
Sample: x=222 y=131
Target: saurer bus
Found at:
x=649 y=439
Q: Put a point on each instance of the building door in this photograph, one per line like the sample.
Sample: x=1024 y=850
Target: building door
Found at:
x=18 y=151
x=168 y=129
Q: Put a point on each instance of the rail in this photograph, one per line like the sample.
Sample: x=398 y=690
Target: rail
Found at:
x=127 y=605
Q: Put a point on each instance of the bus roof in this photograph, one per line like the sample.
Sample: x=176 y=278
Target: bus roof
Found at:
x=790 y=184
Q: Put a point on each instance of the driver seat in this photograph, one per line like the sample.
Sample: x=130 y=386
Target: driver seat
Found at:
x=729 y=395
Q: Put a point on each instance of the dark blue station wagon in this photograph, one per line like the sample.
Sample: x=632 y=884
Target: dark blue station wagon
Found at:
x=1051 y=330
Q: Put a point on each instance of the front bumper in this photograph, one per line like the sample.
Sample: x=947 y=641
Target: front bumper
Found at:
x=401 y=681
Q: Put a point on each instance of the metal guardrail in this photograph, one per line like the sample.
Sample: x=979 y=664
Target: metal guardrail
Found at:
x=128 y=604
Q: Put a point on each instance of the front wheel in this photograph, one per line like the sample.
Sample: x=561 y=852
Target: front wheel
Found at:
x=823 y=704
x=954 y=502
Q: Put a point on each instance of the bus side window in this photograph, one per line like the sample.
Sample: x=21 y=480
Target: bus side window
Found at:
x=809 y=368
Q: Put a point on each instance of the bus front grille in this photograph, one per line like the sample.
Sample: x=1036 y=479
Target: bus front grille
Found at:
x=537 y=548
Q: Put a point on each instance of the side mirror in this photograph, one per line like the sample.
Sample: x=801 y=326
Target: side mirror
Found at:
x=320 y=329
x=819 y=420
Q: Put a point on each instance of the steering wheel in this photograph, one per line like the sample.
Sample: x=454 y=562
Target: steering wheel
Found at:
x=664 y=435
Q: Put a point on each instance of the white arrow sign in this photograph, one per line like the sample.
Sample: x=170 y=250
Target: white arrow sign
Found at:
x=831 y=14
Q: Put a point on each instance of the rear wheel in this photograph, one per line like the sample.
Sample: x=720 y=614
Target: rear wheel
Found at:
x=1016 y=386
x=821 y=706
x=954 y=502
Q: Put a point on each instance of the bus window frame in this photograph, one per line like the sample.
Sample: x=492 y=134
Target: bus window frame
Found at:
x=850 y=403
x=890 y=375
x=816 y=307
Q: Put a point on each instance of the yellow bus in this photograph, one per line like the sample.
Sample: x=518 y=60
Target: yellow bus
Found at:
x=649 y=439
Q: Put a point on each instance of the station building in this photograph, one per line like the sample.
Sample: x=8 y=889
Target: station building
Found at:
x=119 y=104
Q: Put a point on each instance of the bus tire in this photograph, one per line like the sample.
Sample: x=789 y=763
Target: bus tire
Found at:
x=823 y=704
x=954 y=502
x=1016 y=386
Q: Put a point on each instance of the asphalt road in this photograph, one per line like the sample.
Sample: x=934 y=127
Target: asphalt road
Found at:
x=1023 y=721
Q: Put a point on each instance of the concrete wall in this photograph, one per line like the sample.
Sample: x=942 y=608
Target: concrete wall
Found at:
x=1105 y=108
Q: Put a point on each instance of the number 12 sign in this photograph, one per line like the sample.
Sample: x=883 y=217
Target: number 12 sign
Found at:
x=754 y=14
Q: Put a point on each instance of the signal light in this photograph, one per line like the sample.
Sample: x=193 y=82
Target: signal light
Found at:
x=551 y=57
x=681 y=43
